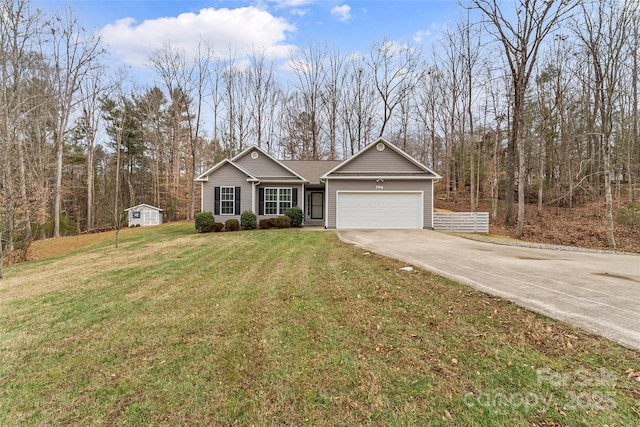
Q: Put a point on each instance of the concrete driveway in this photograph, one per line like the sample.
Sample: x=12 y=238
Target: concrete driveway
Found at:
x=596 y=291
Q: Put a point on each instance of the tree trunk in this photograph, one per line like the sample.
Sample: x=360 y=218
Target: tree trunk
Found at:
x=496 y=163
x=1 y=257
x=519 y=111
x=611 y=240
x=58 y=190
x=90 y=186
x=23 y=190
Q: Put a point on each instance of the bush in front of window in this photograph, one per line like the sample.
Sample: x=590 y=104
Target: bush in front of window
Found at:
x=295 y=214
x=248 y=220
x=266 y=224
x=277 y=222
x=218 y=227
x=281 y=222
x=204 y=222
x=232 y=225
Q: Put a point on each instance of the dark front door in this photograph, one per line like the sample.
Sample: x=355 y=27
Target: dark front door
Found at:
x=317 y=205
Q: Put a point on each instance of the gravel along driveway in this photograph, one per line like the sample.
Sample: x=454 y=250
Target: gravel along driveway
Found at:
x=599 y=292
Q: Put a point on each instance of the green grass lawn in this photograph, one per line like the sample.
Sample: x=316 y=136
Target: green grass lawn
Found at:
x=283 y=327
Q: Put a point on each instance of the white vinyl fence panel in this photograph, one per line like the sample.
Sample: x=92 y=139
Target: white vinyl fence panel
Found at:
x=461 y=222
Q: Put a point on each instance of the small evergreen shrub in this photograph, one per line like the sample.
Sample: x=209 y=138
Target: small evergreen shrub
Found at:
x=68 y=225
x=281 y=222
x=204 y=222
x=248 y=220
x=266 y=223
x=218 y=227
x=232 y=225
x=277 y=222
x=629 y=216
x=295 y=214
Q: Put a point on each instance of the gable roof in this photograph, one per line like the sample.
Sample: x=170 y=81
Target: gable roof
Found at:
x=268 y=156
x=143 y=205
x=315 y=171
x=426 y=172
x=205 y=176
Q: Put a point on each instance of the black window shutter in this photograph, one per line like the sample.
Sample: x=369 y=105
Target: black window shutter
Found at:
x=216 y=201
x=237 y=201
x=294 y=197
x=261 y=201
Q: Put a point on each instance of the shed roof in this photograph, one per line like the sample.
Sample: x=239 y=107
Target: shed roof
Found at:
x=143 y=205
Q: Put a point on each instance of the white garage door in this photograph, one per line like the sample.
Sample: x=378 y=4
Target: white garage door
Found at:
x=379 y=210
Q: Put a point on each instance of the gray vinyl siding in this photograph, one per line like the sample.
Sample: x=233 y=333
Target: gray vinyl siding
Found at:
x=262 y=167
x=335 y=185
x=387 y=161
x=300 y=196
x=226 y=176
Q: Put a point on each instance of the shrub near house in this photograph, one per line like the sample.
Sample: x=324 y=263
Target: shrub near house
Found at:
x=295 y=214
x=204 y=222
x=248 y=220
x=232 y=225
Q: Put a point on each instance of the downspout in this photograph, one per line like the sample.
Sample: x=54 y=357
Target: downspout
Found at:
x=303 y=197
x=201 y=196
x=326 y=203
x=432 y=203
x=253 y=196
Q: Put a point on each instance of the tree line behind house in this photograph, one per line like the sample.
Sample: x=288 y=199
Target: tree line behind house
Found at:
x=538 y=104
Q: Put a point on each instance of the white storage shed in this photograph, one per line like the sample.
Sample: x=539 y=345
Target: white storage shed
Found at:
x=143 y=215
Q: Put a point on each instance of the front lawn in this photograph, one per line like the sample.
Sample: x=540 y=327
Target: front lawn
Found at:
x=286 y=327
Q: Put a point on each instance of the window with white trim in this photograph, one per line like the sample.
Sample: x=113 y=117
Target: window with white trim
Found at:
x=227 y=200
x=276 y=200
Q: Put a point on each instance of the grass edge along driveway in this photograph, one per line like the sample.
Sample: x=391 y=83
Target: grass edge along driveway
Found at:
x=286 y=327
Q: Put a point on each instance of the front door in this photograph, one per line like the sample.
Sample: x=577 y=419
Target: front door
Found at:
x=315 y=205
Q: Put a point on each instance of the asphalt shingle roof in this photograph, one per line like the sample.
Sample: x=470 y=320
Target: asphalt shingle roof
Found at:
x=311 y=169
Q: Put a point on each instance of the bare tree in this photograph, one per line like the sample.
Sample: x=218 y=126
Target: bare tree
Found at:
x=605 y=32
x=357 y=107
x=634 y=145
x=308 y=67
x=234 y=95
x=186 y=80
x=332 y=82
x=197 y=78
x=20 y=63
x=452 y=95
x=427 y=112
x=92 y=90
x=262 y=87
x=521 y=38
x=395 y=73
x=74 y=52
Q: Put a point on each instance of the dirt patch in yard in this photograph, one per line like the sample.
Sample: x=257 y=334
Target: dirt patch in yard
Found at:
x=581 y=226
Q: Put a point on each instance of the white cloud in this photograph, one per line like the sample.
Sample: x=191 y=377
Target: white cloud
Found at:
x=237 y=30
x=342 y=12
x=421 y=35
x=291 y=3
x=299 y=12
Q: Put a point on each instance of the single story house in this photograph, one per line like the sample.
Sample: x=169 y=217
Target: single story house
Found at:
x=379 y=187
x=144 y=215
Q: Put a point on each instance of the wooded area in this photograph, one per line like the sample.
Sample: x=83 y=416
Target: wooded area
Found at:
x=530 y=102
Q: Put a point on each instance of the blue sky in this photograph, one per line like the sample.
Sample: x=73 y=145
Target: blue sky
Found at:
x=133 y=28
